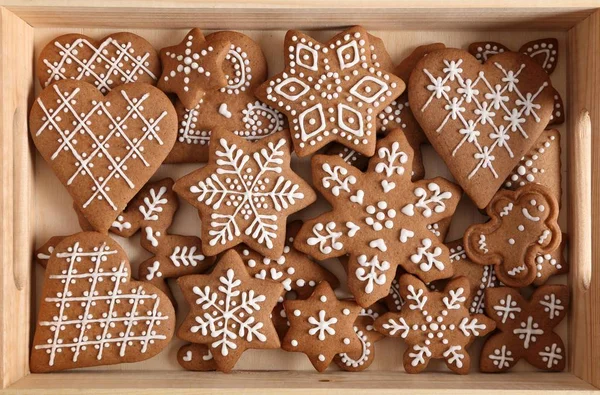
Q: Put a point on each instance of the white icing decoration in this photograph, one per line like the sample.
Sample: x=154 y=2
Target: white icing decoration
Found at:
x=482 y=244
x=453 y=356
x=322 y=326
x=260 y=121
x=551 y=355
x=352 y=228
x=419 y=298
x=185 y=256
x=528 y=332
x=387 y=186
x=516 y=270
x=224 y=111
x=327 y=242
x=501 y=358
x=507 y=209
x=424 y=253
x=406 y=234
x=552 y=305
x=527 y=171
x=507 y=308
x=339 y=178
x=470 y=326
x=358 y=197
x=243 y=71
x=225 y=318
x=456 y=299
x=120 y=225
x=394 y=327
x=188 y=356
x=189 y=62
x=418 y=357
x=188 y=131
x=527 y=215
x=372 y=271
x=151 y=236
x=153 y=271
x=153 y=204
x=393 y=160
x=436 y=199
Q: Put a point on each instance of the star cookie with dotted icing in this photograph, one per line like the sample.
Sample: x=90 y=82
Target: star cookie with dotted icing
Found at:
x=331 y=92
x=92 y=313
x=245 y=193
x=196 y=357
x=367 y=335
x=114 y=60
x=541 y=165
x=523 y=224
x=321 y=326
x=543 y=51
x=103 y=149
x=229 y=311
x=380 y=219
x=525 y=329
x=435 y=325
x=481 y=119
x=232 y=107
x=193 y=67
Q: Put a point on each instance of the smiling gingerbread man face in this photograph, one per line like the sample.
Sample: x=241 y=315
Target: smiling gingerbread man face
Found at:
x=523 y=224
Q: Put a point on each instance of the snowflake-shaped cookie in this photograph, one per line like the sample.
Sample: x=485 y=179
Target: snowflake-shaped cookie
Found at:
x=193 y=67
x=481 y=119
x=523 y=225
x=380 y=218
x=245 y=193
x=331 y=91
x=435 y=325
x=229 y=311
x=321 y=326
x=526 y=328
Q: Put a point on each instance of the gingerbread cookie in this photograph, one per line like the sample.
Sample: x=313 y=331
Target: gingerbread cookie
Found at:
x=367 y=335
x=523 y=225
x=435 y=324
x=543 y=51
x=102 y=148
x=331 y=91
x=153 y=206
x=232 y=107
x=92 y=314
x=481 y=119
x=393 y=300
x=229 y=311
x=380 y=218
x=196 y=357
x=551 y=264
x=115 y=60
x=245 y=193
x=42 y=254
x=541 y=165
x=193 y=67
x=526 y=329
x=321 y=326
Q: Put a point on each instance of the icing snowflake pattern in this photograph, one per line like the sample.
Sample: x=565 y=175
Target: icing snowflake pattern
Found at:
x=392 y=221
x=428 y=321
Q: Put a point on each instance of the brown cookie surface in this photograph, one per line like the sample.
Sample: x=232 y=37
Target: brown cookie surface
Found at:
x=380 y=219
x=229 y=311
x=435 y=325
x=481 y=119
x=523 y=225
x=245 y=193
x=331 y=91
x=92 y=314
x=196 y=357
x=526 y=329
x=116 y=59
x=102 y=148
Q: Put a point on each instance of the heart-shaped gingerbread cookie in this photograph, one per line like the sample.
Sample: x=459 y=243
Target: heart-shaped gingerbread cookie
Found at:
x=103 y=149
x=91 y=314
x=481 y=119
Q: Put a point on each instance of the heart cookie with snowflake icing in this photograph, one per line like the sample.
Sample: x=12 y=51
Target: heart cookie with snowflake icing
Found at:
x=481 y=119
x=92 y=314
x=102 y=148
x=115 y=60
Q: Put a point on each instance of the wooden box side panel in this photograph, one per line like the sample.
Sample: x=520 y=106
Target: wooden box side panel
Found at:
x=16 y=186
x=584 y=188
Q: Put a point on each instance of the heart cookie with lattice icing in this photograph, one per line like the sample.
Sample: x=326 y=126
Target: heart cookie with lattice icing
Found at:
x=91 y=314
x=103 y=148
x=481 y=119
x=115 y=60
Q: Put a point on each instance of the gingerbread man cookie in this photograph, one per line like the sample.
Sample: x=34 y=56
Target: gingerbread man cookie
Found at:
x=232 y=107
x=523 y=225
x=526 y=329
x=92 y=314
x=331 y=91
x=435 y=324
x=193 y=67
x=245 y=193
x=229 y=311
x=380 y=218
x=321 y=326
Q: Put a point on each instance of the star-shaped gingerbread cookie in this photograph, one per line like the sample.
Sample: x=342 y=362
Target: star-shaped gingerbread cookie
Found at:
x=229 y=311
x=193 y=67
x=245 y=193
x=380 y=218
x=331 y=91
x=321 y=326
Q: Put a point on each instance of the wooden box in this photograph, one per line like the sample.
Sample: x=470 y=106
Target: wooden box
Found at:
x=28 y=193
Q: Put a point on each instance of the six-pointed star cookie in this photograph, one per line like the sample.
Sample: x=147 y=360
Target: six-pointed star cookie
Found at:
x=526 y=328
x=435 y=324
x=321 y=326
x=380 y=218
x=331 y=92
x=245 y=193
x=229 y=311
x=193 y=67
